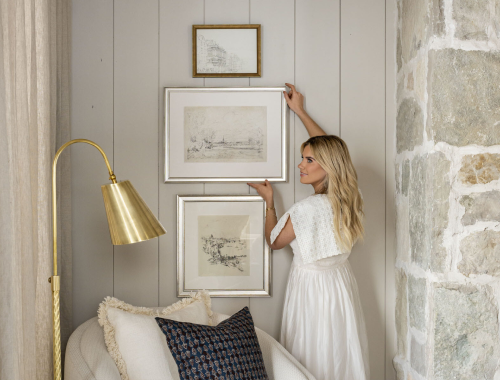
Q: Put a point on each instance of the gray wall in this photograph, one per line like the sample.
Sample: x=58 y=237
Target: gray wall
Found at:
x=125 y=52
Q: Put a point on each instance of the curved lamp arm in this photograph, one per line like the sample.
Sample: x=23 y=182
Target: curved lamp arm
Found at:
x=112 y=177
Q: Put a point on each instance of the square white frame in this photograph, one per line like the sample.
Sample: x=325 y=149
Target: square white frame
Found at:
x=181 y=253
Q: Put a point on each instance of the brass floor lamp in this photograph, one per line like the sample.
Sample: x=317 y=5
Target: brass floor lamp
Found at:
x=130 y=221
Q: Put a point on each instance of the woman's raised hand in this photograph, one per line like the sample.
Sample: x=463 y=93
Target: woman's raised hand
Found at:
x=294 y=99
x=264 y=189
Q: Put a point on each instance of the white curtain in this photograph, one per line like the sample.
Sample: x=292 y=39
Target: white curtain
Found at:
x=34 y=122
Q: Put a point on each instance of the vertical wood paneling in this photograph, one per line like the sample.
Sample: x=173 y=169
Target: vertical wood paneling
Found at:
x=278 y=54
x=176 y=20
x=390 y=188
x=363 y=43
x=317 y=26
x=136 y=138
x=91 y=118
x=301 y=44
x=227 y=12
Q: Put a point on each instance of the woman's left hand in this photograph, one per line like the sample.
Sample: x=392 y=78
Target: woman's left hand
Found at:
x=264 y=189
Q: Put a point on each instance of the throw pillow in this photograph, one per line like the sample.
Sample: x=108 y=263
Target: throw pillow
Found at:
x=134 y=341
x=229 y=350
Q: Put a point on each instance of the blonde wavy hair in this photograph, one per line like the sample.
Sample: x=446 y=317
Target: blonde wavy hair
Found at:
x=341 y=187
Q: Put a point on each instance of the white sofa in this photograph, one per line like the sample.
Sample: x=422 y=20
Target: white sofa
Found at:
x=88 y=359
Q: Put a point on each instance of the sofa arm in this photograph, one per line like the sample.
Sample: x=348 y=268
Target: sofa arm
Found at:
x=280 y=364
x=86 y=355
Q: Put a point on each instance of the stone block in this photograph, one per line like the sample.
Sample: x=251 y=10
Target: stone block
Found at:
x=399 y=52
x=496 y=18
x=480 y=168
x=437 y=179
x=472 y=18
x=409 y=125
x=419 y=242
x=413 y=27
x=405 y=177
x=480 y=253
x=429 y=191
x=437 y=17
x=397 y=174
x=401 y=312
x=417 y=302
x=418 y=357
x=481 y=207
x=466 y=341
x=464 y=97
x=400 y=372
x=403 y=231
x=421 y=80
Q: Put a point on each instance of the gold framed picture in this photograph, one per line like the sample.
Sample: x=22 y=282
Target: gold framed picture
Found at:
x=221 y=246
x=226 y=51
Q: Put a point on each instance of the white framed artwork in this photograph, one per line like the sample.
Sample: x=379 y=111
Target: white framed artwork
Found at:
x=226 y=51
x=221 y=246
x=225 y=134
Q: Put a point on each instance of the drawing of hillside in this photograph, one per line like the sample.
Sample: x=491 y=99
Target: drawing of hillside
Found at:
x=225 y=134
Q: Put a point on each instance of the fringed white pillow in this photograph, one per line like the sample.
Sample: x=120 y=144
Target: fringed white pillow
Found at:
x=134 y=340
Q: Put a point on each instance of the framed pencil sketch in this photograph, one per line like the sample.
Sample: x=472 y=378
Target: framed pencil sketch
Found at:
x=221 y=246
x=225 y=134
x=226 y=51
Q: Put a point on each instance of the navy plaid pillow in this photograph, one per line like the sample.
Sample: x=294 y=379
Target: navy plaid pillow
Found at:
x=229 y=350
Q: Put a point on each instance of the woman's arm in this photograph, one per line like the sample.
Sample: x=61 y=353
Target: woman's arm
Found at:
x=295 y=101
x=287 y=234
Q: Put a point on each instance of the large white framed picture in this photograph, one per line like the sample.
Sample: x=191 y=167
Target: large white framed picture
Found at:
x=221 y=246
x=225 y=134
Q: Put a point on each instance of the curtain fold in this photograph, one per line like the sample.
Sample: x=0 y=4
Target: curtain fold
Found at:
x=34 y=121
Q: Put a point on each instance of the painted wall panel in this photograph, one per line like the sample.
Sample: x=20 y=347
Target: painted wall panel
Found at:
x=317 y=44
x=91 y=118
x=278 y=53
x=136 y=138
x=176 y=20
x=227 y=12
x=363 y=129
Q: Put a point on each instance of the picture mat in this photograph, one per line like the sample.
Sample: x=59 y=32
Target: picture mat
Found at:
x=242 y=42
x=217 y=229
x=180 y=169
x=192 y=281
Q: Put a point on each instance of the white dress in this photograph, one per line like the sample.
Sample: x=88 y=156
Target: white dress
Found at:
x=323 y=325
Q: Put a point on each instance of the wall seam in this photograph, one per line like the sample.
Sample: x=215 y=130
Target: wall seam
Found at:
x=113 y=128
x=340 y=68
x=159 y=147
x=294 y=81
x=385 y=188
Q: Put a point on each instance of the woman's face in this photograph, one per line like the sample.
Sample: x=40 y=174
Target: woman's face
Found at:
x=310 y=171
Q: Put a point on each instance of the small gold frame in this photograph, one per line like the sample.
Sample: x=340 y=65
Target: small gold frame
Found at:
x=226 y=75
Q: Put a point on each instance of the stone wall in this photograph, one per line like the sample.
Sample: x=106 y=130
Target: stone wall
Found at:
x=448 y=189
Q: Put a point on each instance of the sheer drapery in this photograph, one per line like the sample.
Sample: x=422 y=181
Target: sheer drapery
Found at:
x=34 y=121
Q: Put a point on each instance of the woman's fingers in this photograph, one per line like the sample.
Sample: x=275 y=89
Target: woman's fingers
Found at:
x=292 y=87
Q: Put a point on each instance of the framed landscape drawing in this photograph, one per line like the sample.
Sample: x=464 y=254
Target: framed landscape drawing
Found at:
x=221 y=246
x=226 y=51
x=225 y=134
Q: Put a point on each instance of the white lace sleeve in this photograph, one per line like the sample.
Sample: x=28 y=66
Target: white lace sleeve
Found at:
x=312 y=221
x=281 y=224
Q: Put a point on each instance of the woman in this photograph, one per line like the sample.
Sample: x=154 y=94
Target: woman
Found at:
x=323 y=324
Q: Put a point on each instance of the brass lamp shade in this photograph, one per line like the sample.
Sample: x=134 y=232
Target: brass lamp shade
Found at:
x=130 y=219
